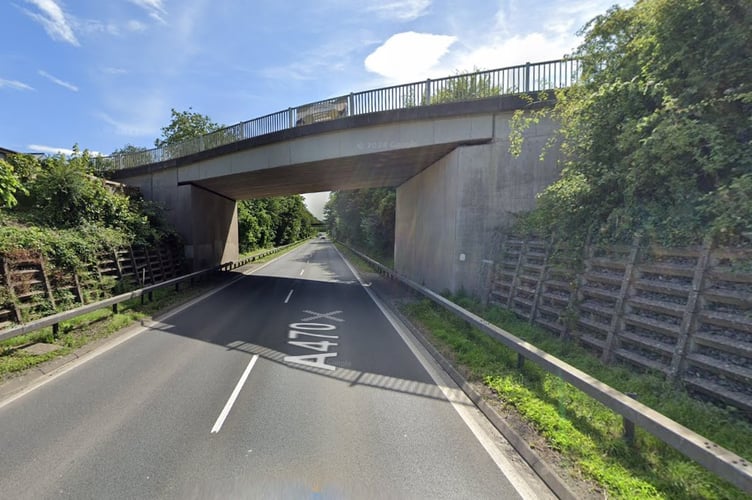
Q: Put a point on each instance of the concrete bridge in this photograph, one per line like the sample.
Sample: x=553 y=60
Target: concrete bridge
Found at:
x=457 y=184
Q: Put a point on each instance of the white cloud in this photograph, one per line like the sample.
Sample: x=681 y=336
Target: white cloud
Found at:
x=136 y=127
x=53 y=20
x=408 y=56
x=92 y=26
x=38 y=148
x=534 y=47
x=155 y=8
x=136 y=26
x=58 y=81
x=14 y=84
x=49 y=149
x=110 y=70
x=504 y=45
x=400 y=10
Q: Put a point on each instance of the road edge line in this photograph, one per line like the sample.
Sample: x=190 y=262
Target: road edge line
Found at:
x=521 y=485
x=88 y=352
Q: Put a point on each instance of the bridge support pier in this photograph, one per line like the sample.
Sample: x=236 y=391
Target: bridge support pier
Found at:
x=209 y=226
x=206 y=221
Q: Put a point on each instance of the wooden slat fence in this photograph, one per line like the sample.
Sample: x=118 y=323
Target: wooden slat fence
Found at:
x=30 y=288
x=683 y=312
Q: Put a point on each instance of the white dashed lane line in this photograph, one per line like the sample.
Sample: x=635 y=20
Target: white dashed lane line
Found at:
x=234 y=396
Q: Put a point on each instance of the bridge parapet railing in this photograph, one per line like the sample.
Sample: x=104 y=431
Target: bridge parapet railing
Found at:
x=524 y=78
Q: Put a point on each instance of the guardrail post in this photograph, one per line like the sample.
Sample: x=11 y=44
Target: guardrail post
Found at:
x=56 y=330
x=520 y=361
x=629 y=427
x=427 y=93
x=114 y=308
x=486 y=280
x=350 y=104
x=291 y=123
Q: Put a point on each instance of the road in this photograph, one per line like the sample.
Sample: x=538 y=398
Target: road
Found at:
x=290 y=382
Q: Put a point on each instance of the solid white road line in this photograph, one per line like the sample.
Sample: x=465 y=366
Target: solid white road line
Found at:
x=288 y=296
x=234 y=395
x=453 y=393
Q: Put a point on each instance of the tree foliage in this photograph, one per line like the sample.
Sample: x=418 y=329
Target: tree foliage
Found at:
x=466 y=86
x=267 y=222
x=364 y=218
x=657 y=136
x=185 y=125
x=63 y=193
x=9 y=185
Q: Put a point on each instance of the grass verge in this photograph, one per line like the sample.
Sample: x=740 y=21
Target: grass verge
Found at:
x=584 y=432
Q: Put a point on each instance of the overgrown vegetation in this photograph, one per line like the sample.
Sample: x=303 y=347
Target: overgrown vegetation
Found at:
x=466 y=86
x=70 y=216
x=269 y=222
x=583 y=431
x=364 y=218
x=657 y=135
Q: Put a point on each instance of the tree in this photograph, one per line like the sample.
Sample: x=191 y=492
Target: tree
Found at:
x=266 y=222
x=466 y=86
x=129 y=149
x=363 y=217
x=657 y=136
x=185 y=125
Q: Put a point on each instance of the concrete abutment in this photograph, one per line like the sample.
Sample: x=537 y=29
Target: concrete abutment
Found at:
x=450 y=217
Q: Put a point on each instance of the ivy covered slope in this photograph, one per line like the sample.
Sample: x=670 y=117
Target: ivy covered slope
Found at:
x=658 y=134
x=57 y=206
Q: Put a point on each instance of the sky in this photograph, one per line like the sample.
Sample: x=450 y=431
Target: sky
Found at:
x=106 y=73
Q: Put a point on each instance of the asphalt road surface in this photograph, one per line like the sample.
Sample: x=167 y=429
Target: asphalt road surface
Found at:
x=290 y=382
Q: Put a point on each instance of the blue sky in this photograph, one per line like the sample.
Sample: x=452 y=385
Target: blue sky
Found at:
x=105 y=73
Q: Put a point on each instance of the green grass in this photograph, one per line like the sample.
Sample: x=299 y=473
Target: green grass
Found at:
x=361 y=265
x=267 y=258
x=586 y=433
x=102 y=323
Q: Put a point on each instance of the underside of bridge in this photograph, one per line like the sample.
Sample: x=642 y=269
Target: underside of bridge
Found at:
x=389 y=168
x=457 y=184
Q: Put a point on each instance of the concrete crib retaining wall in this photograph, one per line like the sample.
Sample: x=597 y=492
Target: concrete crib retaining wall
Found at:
x=683 y=312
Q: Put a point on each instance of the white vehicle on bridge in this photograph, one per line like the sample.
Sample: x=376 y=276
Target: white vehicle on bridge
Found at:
x=322 y=111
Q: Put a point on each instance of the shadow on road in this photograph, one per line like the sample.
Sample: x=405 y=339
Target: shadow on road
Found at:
x=251 y=316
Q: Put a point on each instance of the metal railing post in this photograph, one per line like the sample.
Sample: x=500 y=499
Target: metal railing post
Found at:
x=427 y=93
x=527 y=77
x=350 y=104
